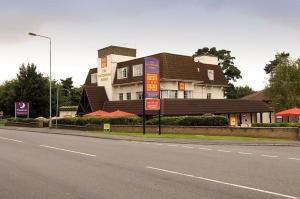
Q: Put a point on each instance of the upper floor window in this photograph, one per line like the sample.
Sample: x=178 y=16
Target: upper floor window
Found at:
x=208 y=95
x=210 y=74
x=128 y=96
x=137 y=70
x=121 y=96
x=187 y=94
x=139 y=95
x=94 y=78
x=122 y=73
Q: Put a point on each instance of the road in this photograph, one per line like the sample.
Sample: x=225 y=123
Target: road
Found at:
x=46 y=166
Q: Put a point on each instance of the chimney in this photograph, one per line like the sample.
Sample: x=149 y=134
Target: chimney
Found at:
x=205 y=59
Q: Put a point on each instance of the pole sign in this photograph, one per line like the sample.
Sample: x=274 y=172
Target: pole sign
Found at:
x=22 y=108
x=152 y=84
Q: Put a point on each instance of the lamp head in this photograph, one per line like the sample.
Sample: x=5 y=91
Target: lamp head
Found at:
x=32 y=34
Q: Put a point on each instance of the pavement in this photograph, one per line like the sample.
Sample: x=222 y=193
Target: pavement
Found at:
x=47 y=166
x=159 y=140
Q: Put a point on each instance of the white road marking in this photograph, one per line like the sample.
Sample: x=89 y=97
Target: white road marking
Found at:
x=135 y=142
x=244 y=153
x=3 y=138
x=159 y=144
x=60 y=149
x=224 y=151
x=294 y=158
x=207 y=149
x=224 y=183
x=188 y=147
x=172 y=145
x=269 y=156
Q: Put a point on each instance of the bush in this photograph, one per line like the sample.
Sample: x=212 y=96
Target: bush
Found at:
x=276 y=125
x=191 y=121
x=84 y=121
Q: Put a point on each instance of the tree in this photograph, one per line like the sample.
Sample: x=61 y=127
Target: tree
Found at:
x=70 y=95
x=279 y=57
x=284 y=83
x=8 y=97
x=32 y=87
x=226 y=62
x=239 y=92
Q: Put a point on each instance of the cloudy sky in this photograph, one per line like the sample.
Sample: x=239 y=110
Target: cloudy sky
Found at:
x=253 y=30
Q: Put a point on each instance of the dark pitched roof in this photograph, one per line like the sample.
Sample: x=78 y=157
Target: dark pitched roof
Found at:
x=192 y=106
x=177 y=67
x=88 y=77
x=259 y=95
x=92 y=99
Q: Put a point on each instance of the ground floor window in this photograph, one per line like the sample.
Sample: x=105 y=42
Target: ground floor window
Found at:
x=128 y=96
x=139 y=95
x=169 y=94
x=208 y=95
x=187 y=94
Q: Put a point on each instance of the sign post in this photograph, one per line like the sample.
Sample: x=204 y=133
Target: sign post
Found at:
x=151 y=88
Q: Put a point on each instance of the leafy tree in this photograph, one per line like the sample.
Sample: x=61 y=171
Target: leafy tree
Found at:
x=69 y=95
x=279 y=57
x=284 y=83
x=226 y=62
x=8 y=97
x=239 y=92
x=32 y=87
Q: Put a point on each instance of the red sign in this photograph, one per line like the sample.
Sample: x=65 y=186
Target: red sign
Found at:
x=152 y=104
x=181 y=86
x=103 y=62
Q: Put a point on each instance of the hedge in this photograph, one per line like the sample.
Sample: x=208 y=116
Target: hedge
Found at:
x=191 y=121
x=84 y=121
x=276 y=125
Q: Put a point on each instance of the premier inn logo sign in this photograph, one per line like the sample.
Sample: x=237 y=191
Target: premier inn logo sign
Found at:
x=22 y=108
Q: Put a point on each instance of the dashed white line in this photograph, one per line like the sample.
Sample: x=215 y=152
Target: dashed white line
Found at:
x=294 y=158
x=188 y=147
x=269 y=156
x=60 y=149
x=9 y=139
x=207 y=149
x=224 y=183
x=172 y=145
x=224 y=151
x=158 y=144
x=244 y=153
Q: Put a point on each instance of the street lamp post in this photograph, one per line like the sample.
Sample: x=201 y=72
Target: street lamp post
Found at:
x=50 y=76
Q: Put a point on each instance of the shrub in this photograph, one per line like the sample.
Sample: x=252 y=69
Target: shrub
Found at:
x=191 y=121
x=276 y=125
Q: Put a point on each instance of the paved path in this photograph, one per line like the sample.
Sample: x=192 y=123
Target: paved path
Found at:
x=39 y=166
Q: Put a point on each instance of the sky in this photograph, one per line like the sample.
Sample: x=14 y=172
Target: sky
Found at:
x=254 y=31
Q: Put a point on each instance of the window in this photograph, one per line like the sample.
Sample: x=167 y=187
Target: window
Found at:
x=122 y=73
x=187 y=94
x=173 y=94
x=139 y=95
x=210 y=74
x=128 y=96
x=94 y=78
x=208 y=95
x=137 y=70
x=121 y=96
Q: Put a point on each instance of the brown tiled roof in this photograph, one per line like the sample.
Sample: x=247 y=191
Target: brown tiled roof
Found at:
x=176 y=67
x=116 y=50
x=192 y=106
x=96 y=96
x=88 y=77
x=259 y=95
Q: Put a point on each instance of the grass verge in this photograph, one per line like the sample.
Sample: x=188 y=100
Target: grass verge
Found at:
x=186 y=136
x=2 y=122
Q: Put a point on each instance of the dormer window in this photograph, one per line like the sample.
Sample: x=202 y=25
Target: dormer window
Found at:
x=210 y=74
x=94 y=78
x=122 y=73
x=137 y=70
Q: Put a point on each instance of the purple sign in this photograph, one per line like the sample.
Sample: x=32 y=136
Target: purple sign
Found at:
x=22 y=108
x=152 y=79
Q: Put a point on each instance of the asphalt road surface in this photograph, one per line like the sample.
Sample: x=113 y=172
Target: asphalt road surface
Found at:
x=45 y=166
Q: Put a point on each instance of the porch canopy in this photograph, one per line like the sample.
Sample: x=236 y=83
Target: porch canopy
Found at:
x=289 y=112
x=119 y=113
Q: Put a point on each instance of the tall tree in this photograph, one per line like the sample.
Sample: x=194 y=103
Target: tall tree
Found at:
x=239 y=92
x=8 y=97
x=279 y=57
x=32 y=87
x=226 y=62
x=69 y=95
x=284 y=83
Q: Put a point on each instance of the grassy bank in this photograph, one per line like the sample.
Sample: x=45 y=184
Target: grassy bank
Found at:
x=185 y=136
x=2 y=122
